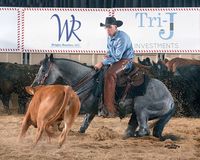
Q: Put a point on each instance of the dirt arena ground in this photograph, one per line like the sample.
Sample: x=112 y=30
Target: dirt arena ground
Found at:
x=103 y=141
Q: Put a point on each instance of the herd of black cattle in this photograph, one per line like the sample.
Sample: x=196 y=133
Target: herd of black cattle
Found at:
x=184 y=84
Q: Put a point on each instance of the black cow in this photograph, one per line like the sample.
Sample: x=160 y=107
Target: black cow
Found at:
x=13 y=79
x=190 y=76
x=145 y=62
x=184 y=85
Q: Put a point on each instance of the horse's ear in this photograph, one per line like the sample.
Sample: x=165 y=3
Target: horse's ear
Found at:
x=51 y=58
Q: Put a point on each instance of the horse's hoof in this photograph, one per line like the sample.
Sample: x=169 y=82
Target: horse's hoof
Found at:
x=129 y=132
x=126 y=136
x=81 y=130
x=142 y=133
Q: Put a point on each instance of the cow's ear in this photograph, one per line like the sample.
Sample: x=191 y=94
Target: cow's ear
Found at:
x=51 y=58
x=30 y=90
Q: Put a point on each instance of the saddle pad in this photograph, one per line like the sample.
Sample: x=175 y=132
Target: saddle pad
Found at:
x=140 y=90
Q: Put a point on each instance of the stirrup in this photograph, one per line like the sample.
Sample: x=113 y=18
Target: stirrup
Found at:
x=103 y=112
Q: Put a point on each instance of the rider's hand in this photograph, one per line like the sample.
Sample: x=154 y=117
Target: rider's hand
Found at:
x=98 y=65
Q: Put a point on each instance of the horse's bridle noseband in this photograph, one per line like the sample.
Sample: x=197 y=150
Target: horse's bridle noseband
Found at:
x=46 y=74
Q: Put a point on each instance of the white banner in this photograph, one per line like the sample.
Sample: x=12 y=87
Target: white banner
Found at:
x=64 y=30
x=9 y=30
x=77 y=30
x=157 y=30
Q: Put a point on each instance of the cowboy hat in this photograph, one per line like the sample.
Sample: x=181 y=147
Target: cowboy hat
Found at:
x=111 y=21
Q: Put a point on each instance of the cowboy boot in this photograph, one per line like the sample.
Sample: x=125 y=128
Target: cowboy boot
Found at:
x=109 y=93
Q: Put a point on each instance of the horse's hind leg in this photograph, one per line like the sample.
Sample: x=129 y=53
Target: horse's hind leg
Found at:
x=132 y=126
x=160 y=124
x=142 y=119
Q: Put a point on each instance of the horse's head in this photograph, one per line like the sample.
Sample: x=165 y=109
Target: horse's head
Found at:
x=48 y=72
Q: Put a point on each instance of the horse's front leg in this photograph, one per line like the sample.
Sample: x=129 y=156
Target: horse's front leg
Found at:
x=86 y=122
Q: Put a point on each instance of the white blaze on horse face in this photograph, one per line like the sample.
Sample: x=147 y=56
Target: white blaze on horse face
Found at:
x=40 y=71
x=38 y=76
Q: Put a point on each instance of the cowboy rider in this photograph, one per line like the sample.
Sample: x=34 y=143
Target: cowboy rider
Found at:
x=119 y=56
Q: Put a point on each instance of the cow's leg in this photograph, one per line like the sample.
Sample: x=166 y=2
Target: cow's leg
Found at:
x=40 y=129
x=160 y=124
x=50 y=130
x=132 y=126
x=69 y=118
x=63 y=134
x=25 y=126
x=22 y=101
x=49 y=134
x=86 y=122
x=5 y=100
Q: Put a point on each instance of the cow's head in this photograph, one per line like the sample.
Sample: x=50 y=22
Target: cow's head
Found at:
x=32 y=90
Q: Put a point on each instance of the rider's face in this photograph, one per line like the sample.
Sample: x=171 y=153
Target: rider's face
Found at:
x=111 y=30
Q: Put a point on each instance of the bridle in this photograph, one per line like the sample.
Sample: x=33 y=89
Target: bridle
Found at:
x=46 y=74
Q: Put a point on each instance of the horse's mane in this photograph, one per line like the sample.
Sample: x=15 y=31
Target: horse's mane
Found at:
x=66 y=59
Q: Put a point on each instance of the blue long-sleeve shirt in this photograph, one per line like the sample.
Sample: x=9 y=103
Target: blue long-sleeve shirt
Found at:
x=119 y=47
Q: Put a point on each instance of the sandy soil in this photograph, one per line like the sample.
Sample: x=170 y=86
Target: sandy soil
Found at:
x=103 y=141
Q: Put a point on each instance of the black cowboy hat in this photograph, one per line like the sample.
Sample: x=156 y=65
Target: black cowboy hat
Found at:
x=111 y=21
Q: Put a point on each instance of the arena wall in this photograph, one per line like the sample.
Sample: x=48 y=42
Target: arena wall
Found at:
x=90 y=59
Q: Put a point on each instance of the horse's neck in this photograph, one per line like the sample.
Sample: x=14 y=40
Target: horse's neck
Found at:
x=72 y=71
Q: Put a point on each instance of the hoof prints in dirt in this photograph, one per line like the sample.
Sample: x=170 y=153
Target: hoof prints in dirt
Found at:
x=105 y=133
x=171 y=144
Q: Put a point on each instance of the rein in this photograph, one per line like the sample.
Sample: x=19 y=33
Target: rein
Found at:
x=80 y=82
